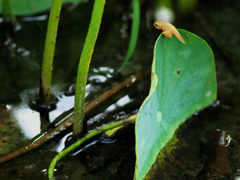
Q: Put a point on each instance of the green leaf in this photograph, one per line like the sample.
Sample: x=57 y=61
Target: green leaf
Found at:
x=183 y=82
x=28 y=7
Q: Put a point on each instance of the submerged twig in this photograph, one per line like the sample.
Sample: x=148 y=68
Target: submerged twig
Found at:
x=68 y=122
x=90 y=135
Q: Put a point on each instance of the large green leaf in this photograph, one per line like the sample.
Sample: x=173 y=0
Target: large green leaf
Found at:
x=28 y=7
x=183 y=82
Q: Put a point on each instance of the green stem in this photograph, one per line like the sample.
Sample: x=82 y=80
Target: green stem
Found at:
x=134 y=32
x=84 y=139
x=4 y=13
x=49 y=48
x=7 y=9
x=83 y=68
x=10 y=11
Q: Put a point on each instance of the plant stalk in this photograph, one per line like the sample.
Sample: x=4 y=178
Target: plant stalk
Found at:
x=68 y=121
x=7 y=9
x=84 y=139
x=49 y=48
x=134 y=33
x=83 y=68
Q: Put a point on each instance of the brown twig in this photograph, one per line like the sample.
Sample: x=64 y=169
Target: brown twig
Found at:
x=68 y=122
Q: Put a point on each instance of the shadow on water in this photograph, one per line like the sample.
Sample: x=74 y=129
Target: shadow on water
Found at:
x=208 y=139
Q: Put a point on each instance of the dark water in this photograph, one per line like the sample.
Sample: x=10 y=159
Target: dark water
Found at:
x=113 y=158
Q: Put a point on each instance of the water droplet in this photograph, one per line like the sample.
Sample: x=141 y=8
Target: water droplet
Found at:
x=208 y=93
x=159 y=116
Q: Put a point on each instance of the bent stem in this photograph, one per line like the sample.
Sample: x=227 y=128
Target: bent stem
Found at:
x=84 y=139
x=134 y=32
x=48 y=54
x=83 y=68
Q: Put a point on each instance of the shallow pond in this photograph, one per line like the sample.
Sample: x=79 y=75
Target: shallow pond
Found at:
x=114 y=157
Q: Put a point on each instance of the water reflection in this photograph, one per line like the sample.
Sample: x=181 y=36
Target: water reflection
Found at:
x=237 y=175
x=34 y=18
x=28 y=120
x=98 y=78
x=113 y=107
x=120 y=103
x=61 y=145
x=64 y=104
x=100 y=140
x=31 y=122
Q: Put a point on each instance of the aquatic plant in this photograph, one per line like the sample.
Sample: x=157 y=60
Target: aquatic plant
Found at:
x=30 y=7
x=134 y=33
x=8 y=10
x=83 y=68
x=67 y=118
x=90 y=135
x=183 y=82
x=48 y=54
